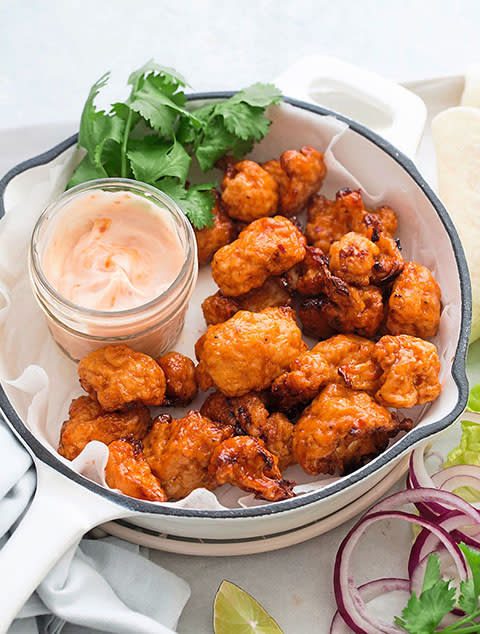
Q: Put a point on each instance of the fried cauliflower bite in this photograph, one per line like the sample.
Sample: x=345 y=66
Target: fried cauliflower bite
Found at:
x=329 y=220
x=179 y=452
x=247 y=352
x=128 y=471
x=179 y=373
x=117 y=376
x=314 y=322
x=341 y=430
x=210 y=239
x=268 y=246
x=352 y=258
x=344 y=359
x=249 y=192
x=410 y=371
x=299 y=175
x=87 y=421
x=414 y=305
x=249 y=415
x=343 y=307
x=218 y=308
x=245 y=462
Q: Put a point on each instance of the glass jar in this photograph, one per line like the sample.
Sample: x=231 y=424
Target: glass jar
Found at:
x=152 y=327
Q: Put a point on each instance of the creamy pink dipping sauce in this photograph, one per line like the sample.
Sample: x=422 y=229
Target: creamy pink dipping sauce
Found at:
x=111 y=251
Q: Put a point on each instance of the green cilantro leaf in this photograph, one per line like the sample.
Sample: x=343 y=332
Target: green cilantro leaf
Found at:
x=245 y=121
x=86 y=171
x=423 y=614
x=470 y=589
x=171 y=76
x=432 y=572
x=261 y=95
x=96 y=127
x=196 y=202
x=152 y=159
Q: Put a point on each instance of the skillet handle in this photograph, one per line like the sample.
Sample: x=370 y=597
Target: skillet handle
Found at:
x=61 y=512
x=389 y=109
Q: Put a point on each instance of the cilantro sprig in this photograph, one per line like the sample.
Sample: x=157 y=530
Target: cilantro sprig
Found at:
x=152 y=137
x=423 y=614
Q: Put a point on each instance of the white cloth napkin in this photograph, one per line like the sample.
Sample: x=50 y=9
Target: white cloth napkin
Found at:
x=99 y=585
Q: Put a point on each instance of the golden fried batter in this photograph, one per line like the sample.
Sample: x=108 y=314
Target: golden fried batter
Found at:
x=341 y=430
x=210 y=239
x=249 y=192
x=117 y=375
x=410 y=371
x=345 y=308
x=314 y=322
x=88 y=421
x=247 y=352
x=179 y=452
x=218 y=308
x=299 y=176
x=128 y=471
x=389 y=262
x=414 y=304
x=250 y=416
x=329 y=220
x=245 y=462
x=352 y=258
x=268 y=246
x=344 y=359
x=179 y=373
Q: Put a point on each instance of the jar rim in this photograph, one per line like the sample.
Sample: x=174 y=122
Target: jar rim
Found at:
x=115 y=184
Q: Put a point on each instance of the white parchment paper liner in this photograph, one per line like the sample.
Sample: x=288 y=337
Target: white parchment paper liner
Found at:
x=41 y=381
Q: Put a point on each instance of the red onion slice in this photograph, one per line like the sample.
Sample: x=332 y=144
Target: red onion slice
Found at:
x=350 y=604
x=469 y=470
x=368 y=592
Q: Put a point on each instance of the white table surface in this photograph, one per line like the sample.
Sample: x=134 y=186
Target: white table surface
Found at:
x=52 y=52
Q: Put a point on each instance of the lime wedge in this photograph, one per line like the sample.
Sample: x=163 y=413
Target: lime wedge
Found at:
x=237 y=612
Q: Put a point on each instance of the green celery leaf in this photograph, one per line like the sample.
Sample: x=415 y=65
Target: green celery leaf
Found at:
x=245 y=121
x=260 y=95
x=423 y=614
x=152 y=159
x=474 y=399
x=86 y=171
x=432 y=572
x=96 y=127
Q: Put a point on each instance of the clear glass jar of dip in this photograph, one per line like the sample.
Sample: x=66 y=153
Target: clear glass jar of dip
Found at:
x=152 y=327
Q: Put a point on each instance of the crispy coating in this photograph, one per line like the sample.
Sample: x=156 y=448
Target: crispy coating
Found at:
x=247 y=352
x=329 y=220
x=352 y=258
x=245 y=462
x=344 y=307
x=268 y=246
x=117 y=375
x=343 y=359
x=249 y=415
x=88 y=421
x=341 y=430
x=179 y=452
x=299 y=175
x=128 y=471
x=414 y=304
x=314 y=322
x=218 y=308
x=410 y=371
x=249 y=192
x=179 y=373
x=210 y=239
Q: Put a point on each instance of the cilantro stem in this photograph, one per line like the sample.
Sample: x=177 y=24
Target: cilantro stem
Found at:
x=126 y=134
x=454 y=629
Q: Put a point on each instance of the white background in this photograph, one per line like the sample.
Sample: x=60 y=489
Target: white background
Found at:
x=50 y=54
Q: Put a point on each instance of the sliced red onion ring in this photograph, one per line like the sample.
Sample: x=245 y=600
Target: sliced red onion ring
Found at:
x=463 y=470
x=350 y=604
x=368 y=592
